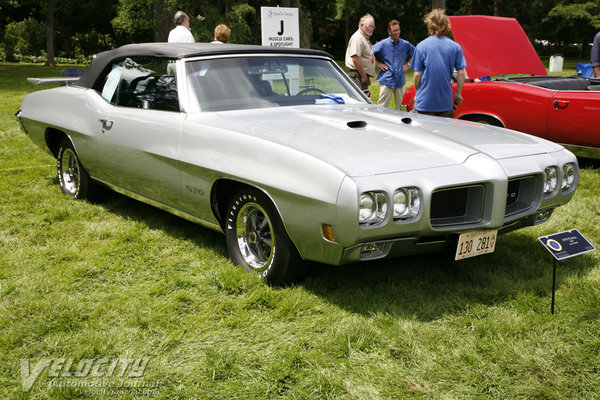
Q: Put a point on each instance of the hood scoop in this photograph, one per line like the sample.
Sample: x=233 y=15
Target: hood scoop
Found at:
x=357 y=124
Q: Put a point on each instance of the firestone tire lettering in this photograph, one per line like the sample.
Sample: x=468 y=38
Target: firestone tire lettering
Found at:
x=257 y=240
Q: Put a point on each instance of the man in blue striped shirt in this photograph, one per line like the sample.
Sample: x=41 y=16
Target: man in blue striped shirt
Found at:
x=393 y=56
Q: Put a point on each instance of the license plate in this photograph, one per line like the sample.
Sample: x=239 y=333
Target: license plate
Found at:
x=473 y=244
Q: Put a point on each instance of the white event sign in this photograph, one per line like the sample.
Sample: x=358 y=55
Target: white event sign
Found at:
x=280 y=27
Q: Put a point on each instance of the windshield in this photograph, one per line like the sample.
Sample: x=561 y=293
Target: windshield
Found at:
x=257 y=82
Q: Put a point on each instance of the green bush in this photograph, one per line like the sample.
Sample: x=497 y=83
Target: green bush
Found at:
x=25 y=41
x=41 y=59
x=25 y=37
x=83 y=45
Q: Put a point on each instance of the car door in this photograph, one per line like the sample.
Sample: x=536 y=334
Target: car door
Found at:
x=574 y=118
x=138 y=132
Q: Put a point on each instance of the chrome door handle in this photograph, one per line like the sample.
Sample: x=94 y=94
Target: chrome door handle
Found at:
x=106 y=124
x=562 y=104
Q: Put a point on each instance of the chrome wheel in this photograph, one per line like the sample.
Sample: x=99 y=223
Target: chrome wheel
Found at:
x=257 y=240
x=69 y=171
x=255 y=237
x=73 y=178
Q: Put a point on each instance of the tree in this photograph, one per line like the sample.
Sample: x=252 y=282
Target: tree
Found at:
x=134 y=21
x=240 y=19
x=573 y=22
x=20 y=24
x=438 y=4
x=81 y=28
x=497 y=7
x=50 y=33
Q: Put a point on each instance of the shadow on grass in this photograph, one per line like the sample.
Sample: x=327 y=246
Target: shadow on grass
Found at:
x=427 y=287
x=155 y=218
x=423 y=287
x=590 y=163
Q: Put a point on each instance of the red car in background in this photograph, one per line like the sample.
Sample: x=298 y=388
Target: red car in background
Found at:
x=565 y=110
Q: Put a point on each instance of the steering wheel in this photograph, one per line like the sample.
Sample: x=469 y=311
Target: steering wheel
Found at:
x=310 y=89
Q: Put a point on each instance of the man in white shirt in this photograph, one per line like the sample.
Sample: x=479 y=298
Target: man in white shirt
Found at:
x=181 y=33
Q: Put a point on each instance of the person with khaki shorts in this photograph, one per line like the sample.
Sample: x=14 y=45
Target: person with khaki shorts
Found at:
x=359 y=56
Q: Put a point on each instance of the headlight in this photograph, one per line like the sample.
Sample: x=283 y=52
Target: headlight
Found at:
x=551 y=180
x=407 y=204
x=568 y=176
x=372 y=208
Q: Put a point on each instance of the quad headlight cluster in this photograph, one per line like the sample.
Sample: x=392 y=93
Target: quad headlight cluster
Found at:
x=373 y=206
x=566 y=175
x=407 y=204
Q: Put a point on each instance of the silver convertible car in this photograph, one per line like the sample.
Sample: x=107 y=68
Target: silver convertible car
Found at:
x=278 y=149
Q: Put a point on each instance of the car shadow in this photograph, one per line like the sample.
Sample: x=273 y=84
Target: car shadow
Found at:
x=155 y=218
x=424 y=287
x=590 y=163
x=427 y=287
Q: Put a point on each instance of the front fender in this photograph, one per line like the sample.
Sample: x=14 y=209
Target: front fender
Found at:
x=303 y=188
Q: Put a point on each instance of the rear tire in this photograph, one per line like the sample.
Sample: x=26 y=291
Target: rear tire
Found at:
x=257 y=240
x=73 y=178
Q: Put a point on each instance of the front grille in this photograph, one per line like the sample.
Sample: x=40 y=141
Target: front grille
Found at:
x=449 y=203
x=521 y=195
x=461 y=205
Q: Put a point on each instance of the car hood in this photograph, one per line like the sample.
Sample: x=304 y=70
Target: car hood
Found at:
x=495 y=45
x=366 y=140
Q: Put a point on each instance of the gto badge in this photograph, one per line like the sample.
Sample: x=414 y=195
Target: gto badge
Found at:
x=195 y=190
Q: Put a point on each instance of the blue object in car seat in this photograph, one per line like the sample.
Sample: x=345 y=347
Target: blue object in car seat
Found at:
x=71 y=72
x=330 y=99
x=585 y=70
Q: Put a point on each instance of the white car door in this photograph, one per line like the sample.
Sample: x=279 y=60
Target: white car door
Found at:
x=137 y=140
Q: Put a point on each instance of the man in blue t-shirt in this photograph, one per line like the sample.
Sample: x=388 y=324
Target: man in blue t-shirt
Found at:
x=391 y=56
x=434 y=60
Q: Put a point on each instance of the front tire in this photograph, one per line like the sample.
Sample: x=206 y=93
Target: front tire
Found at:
x=257 y=240
x=73 y=178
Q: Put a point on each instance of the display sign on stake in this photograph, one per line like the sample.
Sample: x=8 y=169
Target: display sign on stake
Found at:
x=280 y=27
x=564 y=245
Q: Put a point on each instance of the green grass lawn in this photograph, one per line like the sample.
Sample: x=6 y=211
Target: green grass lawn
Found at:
x=121 y=280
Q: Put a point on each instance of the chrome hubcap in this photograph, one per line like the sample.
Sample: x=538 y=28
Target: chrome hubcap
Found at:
x=69 y=171
x=255 y=236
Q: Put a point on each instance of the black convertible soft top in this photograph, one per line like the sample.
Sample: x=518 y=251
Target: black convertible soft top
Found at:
x=179 y=50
